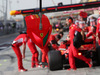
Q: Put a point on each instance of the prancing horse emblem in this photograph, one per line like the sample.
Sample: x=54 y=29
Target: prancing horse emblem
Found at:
x=41 y=34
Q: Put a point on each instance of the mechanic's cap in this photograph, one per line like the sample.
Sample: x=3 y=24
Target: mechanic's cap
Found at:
x=23 y=32
x=58 y=36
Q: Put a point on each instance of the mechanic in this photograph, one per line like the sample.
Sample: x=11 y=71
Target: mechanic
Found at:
x=98 y=31
x=34 y=52
x=52 y=43
x=60 y=33
x=92 y=32
x=92 y=21
x=73 y=52
x=44 y=56
x=20 y=41
x=77 y=21
x=65 y=43
x=82 y=23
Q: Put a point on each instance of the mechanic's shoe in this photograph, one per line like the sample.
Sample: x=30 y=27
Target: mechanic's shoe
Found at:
x=43 y=66
x=71 y=69
x=90 y=63
x=22 y=70
x=46 y=66
x=33 y=66
x=38 y=66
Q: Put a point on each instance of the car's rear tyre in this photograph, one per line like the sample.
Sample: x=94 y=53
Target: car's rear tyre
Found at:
x=55 y=60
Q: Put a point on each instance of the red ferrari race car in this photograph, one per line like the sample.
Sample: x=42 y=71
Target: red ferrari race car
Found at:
x=39 y=30
x=57 y=59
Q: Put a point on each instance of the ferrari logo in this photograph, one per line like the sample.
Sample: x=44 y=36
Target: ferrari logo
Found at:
x=41 y=34
x=71 y=27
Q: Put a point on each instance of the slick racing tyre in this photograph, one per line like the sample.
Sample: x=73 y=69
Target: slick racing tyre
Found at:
x=55 y=60
x=98 y=54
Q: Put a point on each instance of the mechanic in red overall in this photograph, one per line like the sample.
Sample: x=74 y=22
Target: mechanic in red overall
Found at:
x=44 y=55
x=92 y=33
x=53 y=41
x=87 y=29
x=34 y=52
x=65 y=44
x=92 y=22
x=82 y=23
x=20 y=41
x=98 y=31
x=60 y=33
x=73 y=52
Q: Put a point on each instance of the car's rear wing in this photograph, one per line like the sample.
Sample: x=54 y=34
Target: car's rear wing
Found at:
x=57 y=8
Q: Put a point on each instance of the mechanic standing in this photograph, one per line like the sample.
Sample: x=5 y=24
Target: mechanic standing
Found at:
x=20 y=41
x=73 y=52
x=34 y=52
x=98 y=31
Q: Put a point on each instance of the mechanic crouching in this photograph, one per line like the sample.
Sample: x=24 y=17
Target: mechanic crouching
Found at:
x=73 y=51
x=54 y=41
x=20 y=40
x=52 y=45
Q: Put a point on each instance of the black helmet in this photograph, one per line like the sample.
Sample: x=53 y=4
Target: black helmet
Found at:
x=58 y=36
x=61 y=33
x=23 y=32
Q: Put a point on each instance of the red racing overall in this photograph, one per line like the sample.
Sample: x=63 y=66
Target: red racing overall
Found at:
x=98 y=30
x=45 y=54
x=73 y=52
x=21 y=39
x=53 y=39
x=46 y=49
x=34 y=52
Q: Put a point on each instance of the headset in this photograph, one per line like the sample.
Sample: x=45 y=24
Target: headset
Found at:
x=70 y=19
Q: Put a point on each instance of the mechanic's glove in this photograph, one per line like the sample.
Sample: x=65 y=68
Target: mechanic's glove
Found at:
x=91 y=42
x=53 y=41
x=65 y=41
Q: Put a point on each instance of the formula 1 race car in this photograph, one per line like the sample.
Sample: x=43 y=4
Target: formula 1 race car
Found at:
x=59 y=58
x=39 y=30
